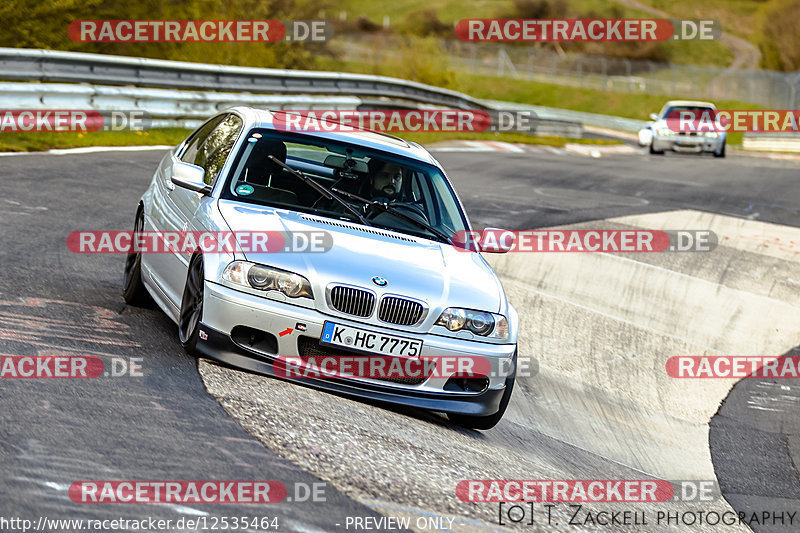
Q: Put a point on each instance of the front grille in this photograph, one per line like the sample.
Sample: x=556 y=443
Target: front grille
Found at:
x=351 y=301
x=399 y=311
x=309 y=347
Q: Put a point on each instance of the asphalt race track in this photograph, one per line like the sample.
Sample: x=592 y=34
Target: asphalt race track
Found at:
x=598 y=327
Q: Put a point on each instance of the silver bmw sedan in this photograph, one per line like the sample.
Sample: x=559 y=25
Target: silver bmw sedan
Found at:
x=386 y=303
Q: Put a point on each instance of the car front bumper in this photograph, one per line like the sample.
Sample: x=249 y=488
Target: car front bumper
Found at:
x=687 y=143
x=225 y=309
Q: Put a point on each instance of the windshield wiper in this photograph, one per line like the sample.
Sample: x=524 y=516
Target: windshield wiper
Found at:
x=323 y=190
x=395 y=212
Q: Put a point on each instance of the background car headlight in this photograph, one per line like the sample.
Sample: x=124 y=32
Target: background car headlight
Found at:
x=266 y=278
x=665 y=131
x=712 y=134
x=478 y=322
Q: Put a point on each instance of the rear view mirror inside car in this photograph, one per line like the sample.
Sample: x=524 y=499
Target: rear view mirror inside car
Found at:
x=343 y=163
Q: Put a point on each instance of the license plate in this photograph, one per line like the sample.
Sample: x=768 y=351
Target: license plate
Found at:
x=363 y=340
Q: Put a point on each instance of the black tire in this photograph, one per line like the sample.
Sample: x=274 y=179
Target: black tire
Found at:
x=133 y=290
x=488 y=421
x=721 y=152
x=192 y=305
x=655 y=152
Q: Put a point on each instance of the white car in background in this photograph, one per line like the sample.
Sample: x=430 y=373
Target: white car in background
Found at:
x=661 y=135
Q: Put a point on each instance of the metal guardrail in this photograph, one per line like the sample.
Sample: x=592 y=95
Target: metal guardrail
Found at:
x=771 y=142
x=74 y=67
x=566 y=115
x=169 y=108
x=166 y=107
x=175 y=90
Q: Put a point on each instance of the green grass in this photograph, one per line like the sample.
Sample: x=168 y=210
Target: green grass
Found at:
x=629 y=105
x=451 y=11
x=735 y=16
x=637 y=106
x=446 y=10
x=39 y=141
x=433 y=137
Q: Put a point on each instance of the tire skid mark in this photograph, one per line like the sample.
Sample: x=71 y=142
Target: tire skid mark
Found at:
x=29 y=321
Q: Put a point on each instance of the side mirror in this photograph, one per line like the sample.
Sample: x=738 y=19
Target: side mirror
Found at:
x=189 y=177
x=490 y=240
x=497 y=241
x=653 y=116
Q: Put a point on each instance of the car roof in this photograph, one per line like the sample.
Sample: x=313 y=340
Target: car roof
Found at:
x=263 y=118
x=697 y=103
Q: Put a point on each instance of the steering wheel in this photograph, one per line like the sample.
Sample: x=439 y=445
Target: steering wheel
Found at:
x=413 y=210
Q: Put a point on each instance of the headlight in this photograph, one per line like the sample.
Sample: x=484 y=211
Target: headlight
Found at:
x=453 y=319
x=665 y=131
x=712 y=134
x=266 y=278
x=478 y=322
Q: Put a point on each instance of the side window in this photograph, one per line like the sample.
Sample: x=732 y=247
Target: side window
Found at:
x=198 y=138
x=421 y=190
x=445 y=204
x=212 y=153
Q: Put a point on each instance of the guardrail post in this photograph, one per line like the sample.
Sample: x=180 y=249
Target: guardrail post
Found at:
x=672 y=77
x=628 y=75
x=530 y=65
x=604 y=63
x=473 y=56
x=503 y=59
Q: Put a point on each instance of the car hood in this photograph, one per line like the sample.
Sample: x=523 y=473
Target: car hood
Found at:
x=436 y=273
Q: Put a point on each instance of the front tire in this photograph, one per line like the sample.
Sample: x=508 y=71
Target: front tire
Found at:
x=654 y=151
x=488 y=421
x=133 y=290
x=192 y=305
x=721 y=151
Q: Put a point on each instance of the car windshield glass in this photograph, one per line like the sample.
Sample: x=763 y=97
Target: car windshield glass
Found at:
x=697 y=111
x=416 y=189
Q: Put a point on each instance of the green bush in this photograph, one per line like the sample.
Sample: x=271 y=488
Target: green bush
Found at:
x=779 y=41
x=43 y=24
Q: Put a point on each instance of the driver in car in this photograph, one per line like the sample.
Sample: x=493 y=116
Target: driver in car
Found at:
x=386 y=179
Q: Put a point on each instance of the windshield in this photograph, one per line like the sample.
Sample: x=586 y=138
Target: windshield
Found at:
x=697 y=111
x=413 y=188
